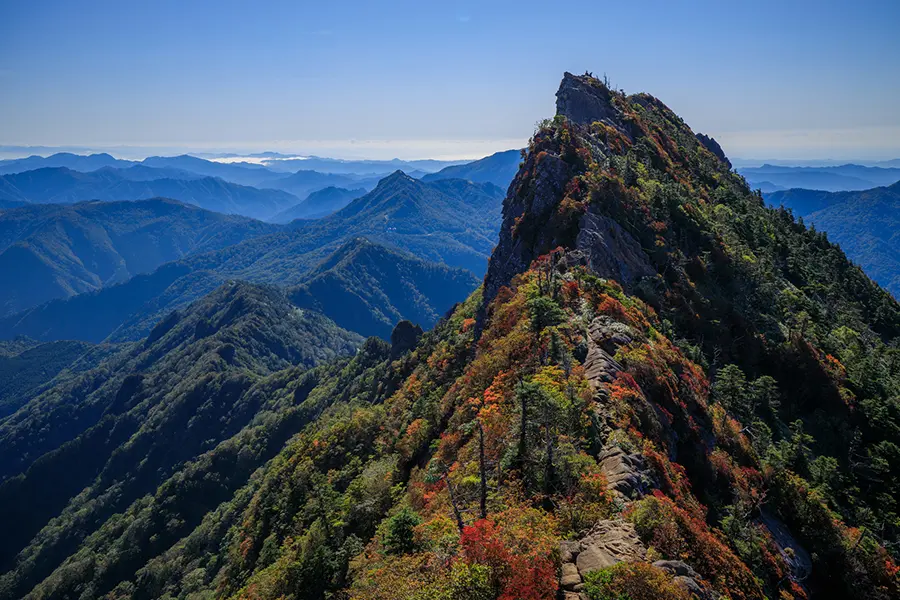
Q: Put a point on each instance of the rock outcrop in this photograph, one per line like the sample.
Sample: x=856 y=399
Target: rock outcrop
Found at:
x=685 y=576
x=627 y=475
x=610 y=251
x=404 y=338
x=713 y=146
x=607 y=543
x=537 y=190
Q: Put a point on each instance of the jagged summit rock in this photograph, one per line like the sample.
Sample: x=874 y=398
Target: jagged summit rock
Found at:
x=710 y=143
x=585 y=99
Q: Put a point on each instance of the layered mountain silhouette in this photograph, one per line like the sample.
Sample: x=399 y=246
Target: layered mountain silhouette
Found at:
x=449 y=222
x=866 y=224
x=67 y=160
x=318 y=204
x=772 y=178
x=62 y=185
x=498 y=168
x=302 y=183
x=57 y=251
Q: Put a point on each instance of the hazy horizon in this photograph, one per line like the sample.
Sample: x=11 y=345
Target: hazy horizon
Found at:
x=791 y=81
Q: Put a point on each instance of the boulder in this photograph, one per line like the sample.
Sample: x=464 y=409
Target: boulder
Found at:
x=609 y=542
x=570 y=576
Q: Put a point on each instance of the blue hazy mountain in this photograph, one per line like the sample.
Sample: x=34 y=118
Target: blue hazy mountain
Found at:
x=356 y=167
x=55 y=251
x=76 y=162
x=838 y=178
x=866 y=224
x=450 y=222
x=304 y=182
x=61 y=185
x=498 y=168
x=241 y=173
x=319 y=204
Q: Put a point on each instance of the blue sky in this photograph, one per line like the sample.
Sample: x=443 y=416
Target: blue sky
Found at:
x=787 y=79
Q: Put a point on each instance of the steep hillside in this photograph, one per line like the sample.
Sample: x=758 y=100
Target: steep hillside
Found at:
x=24 y=370
x=498 y=168
x=54 y=251
x=319 y=204
x=368 y=288
x=121 y=429
x=866 y=225
x=64 y=186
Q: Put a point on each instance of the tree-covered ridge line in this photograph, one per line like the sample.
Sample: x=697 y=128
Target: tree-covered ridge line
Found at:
x=863 y=223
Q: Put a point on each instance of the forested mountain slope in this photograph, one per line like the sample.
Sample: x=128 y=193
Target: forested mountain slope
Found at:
x=368 y=288
x=24 y=370
x=121 y=429
x=664 y=389
x=57 y=251
x=866 y=224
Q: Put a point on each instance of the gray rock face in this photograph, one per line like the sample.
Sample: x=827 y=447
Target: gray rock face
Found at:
x=609 y=542
x=795 y=555
x=676 y=567
x=687 y=578
x=583 y=100
x=404 y=338
x=513 y=254
x=713 y=146
x=605 y=336
x=611 y=252
x=626 y=474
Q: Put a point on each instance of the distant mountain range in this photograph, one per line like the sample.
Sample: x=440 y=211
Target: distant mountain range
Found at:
x=303 y=183
x=56 y=251
x=499 y=169
x=319 y=204
x=76 y=162
x=772 y=178
x=449 y=221
x=358 y=167
x=63 y=185
x=866 y=224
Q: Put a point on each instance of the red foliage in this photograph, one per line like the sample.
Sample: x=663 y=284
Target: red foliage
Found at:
x=518 y=575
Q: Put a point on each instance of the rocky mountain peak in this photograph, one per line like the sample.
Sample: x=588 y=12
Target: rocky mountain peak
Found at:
x=584 y=99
